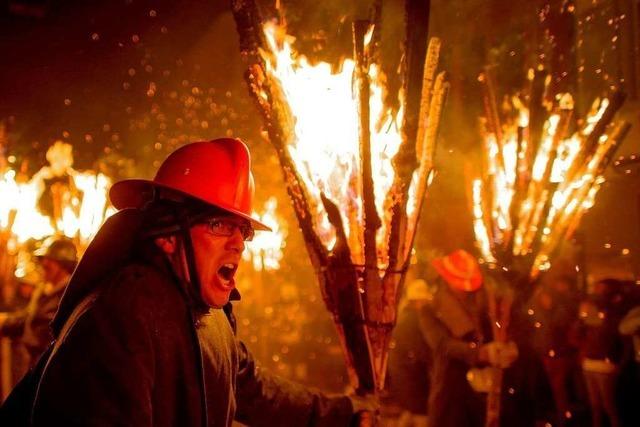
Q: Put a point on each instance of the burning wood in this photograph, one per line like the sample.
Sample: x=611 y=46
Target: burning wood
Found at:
x=533 y=192
x=357 y=183
x=538 y=181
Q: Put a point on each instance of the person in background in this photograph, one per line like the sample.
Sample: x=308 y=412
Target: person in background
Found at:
x=145 y=334
x=458 y=330
x=410 y=359
x=553 y=314
x=630 y=327
x=57 y=257
x=602 y=348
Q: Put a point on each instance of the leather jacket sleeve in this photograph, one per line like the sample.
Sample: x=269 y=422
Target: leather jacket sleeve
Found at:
x=102 y=374
x=267 y=400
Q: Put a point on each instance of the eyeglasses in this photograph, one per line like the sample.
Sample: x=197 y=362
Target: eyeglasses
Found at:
x=226 y=227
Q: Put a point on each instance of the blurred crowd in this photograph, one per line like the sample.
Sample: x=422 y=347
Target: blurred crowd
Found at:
x=568 y=356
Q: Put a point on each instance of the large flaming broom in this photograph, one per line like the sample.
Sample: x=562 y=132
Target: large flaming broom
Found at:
x=358 y=209
x=541 y=173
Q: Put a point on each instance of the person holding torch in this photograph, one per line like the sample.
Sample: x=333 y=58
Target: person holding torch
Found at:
x=457 y=328
x=145 y=333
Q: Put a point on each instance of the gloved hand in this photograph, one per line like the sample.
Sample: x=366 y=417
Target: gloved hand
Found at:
x=499 y=354
x=365 y=409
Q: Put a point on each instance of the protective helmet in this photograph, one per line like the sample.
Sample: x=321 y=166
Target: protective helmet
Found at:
x=216 y=172
x=58 y=248
x=460 y=270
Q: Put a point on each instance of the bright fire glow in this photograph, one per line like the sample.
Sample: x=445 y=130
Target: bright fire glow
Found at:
x=560 y=184
x=325 y=149
x=82 y=205
x=265 y=250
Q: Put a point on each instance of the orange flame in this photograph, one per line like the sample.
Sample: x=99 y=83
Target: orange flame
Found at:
x=265 y=250
x=81 y=213
x=325 y=148
x=568 y=196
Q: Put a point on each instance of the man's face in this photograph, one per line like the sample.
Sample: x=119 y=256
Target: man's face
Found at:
x=217 y=258
x=52 y=270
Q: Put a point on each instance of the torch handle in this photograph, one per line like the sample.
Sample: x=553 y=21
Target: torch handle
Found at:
x=368 y=419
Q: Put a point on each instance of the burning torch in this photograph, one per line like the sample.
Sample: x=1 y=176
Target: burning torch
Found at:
x=356 y=176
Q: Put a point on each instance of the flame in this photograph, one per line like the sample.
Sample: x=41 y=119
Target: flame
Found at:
x=20 y=200
x=480 y=229
x=265 y=250
x=325 y=148
x=81 y=214
x=562 y=184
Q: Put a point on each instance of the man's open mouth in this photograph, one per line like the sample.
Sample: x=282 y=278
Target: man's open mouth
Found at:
x=226 y=273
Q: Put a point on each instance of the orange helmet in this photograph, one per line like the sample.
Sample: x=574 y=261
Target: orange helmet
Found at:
x=460 y=270
x=216 y=172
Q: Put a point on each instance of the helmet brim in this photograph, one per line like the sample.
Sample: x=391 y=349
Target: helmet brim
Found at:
x=467 y=284
x=136 y=193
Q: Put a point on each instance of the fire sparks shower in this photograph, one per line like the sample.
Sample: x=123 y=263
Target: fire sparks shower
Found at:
x=356 y=177
x=542 y=170
x=541 y=173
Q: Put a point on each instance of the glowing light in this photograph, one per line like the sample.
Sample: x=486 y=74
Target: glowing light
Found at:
x=265 y=250
x=554 y=185
x=79 y=209
x=325 y=148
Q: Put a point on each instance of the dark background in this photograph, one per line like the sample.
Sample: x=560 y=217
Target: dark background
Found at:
x=127 y=81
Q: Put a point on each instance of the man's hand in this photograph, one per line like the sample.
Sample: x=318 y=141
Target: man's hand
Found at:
x=365 y=409
x=499 y=354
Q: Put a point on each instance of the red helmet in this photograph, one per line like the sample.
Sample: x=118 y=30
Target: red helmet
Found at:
x=216 y=172
x=460 y=270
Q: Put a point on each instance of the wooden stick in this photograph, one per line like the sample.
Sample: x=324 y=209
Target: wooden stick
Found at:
x=417 y=24
x=278 y=119
x=430 y=66
x=427 y=152
x=371 y=220
x=565 y=227
x=616 y=100
x=340 y=285
x=376 y=21
x=372 y=284
x=491 y=105
x=537 y=112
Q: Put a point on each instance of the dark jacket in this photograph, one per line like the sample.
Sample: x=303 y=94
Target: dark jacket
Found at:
x=409 y=363
x=455 y=329
x=552 y=327
x=600 y=339
x=31 y=323
x=456 y=326
x=140 y=357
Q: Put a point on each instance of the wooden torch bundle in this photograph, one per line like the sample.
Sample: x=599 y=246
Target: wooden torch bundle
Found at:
x=356 y=177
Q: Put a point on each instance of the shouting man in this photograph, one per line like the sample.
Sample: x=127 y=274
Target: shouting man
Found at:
x=145 y=334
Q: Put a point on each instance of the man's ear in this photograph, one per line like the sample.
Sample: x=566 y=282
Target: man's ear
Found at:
x=168 y=244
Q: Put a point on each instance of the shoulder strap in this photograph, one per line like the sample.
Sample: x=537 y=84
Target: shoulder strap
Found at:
x=77 y=312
